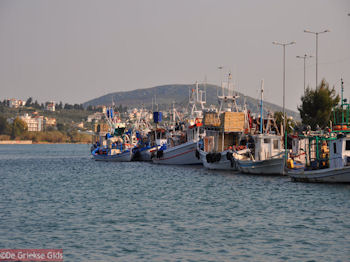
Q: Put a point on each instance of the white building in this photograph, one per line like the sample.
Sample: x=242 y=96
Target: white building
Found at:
x=34 y=124
x=50 y=106
x=15 y=103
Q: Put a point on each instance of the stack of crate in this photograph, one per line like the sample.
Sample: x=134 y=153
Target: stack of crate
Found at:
x=211 y=119
x=232 y=121
x=209 y=144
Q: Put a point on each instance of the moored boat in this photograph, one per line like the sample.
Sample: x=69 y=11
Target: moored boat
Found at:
x=323 y=156
x=265 y=155
x=224 y=130
x=112 y=155
x=183 y=154
x=181 y=145
x=112 y=143
x=330 y=165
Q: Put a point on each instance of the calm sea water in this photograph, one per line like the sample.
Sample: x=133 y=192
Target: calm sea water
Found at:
x=56 y=196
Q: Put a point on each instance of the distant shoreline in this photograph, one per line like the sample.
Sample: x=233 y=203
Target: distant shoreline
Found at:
x=30 y=142
x=16 y=142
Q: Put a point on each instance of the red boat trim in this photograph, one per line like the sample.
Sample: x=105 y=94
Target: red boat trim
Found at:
x=189 y=151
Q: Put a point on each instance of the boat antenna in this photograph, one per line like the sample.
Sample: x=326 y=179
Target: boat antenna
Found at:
x=261 y=107
x=342 y=101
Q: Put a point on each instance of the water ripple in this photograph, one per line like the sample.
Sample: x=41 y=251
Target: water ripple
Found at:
x=55 y=196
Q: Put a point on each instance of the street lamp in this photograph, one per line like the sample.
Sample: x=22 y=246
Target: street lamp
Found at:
x=304 y=57
x=316 y=33
x=284 y=77
x=284 y=92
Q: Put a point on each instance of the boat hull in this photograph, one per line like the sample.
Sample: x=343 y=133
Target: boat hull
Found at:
x=274 y=166
x=184 y=154
x=340 y=175
x=121 y=157
x=145 y=154
x=222 y=164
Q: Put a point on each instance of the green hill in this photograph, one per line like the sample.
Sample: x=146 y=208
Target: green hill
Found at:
x=167 y=94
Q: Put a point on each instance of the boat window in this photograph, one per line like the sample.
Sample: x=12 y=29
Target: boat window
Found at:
x=266 y=140
x=334 y=148
x=347 y=146
x=275 y=144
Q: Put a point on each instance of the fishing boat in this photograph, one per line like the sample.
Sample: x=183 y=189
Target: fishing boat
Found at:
x=149 y=144
x=265 y=155
x=148 y=138
x=114 y=144
x=178 y=151
x=320 y=156
x=225 y=129
x=112 y=155
x=181 y=145
x=327 y=159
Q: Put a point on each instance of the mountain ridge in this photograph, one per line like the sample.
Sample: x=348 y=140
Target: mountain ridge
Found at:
x=165 y=95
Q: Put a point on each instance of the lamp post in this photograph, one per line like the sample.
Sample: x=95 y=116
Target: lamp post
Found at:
x=316 y=33
x=304 y=57
x=284 y=92
x=284 y=77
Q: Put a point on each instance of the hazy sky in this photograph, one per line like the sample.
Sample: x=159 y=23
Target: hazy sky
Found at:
x=73 y=51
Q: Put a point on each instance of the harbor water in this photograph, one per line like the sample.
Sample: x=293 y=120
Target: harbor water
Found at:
x=56 y=196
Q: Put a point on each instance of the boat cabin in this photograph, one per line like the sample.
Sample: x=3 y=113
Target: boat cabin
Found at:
x=339 y=152
x=267 y=146
x=158 y=137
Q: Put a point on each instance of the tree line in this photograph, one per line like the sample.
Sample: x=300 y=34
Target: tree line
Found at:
x=30 y=103
x=18 y=130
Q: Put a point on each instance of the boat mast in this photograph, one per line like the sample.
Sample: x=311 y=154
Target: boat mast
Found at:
x=230 y=98
x=342 y=103
x=261 y=107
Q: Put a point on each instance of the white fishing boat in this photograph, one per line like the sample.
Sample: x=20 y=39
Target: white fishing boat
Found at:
x=180 y=148
x=225 y=160
x=113 y=145
x=265 y=155
x=331 y=164
x=112 y=155
x=320 y=156
x=147 y=149
x=183 y=154
x=224 y=131
x=181 y=144
x=148 y=138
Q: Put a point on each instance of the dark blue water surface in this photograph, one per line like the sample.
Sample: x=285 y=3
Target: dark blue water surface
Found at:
x=56 y=196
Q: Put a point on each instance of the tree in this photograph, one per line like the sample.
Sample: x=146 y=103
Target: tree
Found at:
x=59 y=106
x=68 y=106
x=36 y=105
x=18 y=128
x=316 y=107
x=29 y=102
x=4 y=126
